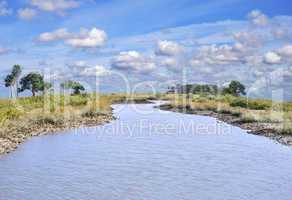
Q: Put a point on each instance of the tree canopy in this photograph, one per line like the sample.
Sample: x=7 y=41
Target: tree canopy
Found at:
x=33 y=82
x=235 y=88
x=12 y=79
x=75 y=86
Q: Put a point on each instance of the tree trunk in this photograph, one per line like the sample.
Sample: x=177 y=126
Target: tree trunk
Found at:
x=13 y=92
x=16 y=89
x=33 y=93
x=10 y=88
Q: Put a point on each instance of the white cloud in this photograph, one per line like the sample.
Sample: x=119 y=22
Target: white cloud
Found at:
x=93 y=38
x=133 y=61
x=3 y=50
x=254 y=60
x=82 y=68
x=78 y=65
x=27 y=13
x=4 y=10
x=256 y=17
x=168 y=48
x=171 y=63
x=88 y=39
x=58 y=6
x=216 y=55
x=286 y=51
x=272 y=58
x=95 y=71
x=59 y=34
x=248 y=39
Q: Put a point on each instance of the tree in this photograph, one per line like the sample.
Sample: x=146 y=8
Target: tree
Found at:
x=33 y=82
x=235 y=88
x=75 y=86
x=11 y=80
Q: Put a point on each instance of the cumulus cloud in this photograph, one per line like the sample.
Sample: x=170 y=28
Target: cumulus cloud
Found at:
x=272 y=58
x=168 y=48
x=26 y=13
x=82 y=68
x=88 y=39
x=133 y=61
x=58 y=6
x=4 y=10
x=256 y=17
x=286 y=53
x=280 y=78
x=59 y=34
x=95 y=71
x=248 y=39
x=93 y=38
x=216 y=55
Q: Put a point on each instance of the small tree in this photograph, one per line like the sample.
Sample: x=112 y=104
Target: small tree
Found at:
x=235 y=88
x=11 y=80
x=75 y=86
x=33 y=82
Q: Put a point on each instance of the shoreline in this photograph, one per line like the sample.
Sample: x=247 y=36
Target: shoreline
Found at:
x=18 y=136
x=255 y=128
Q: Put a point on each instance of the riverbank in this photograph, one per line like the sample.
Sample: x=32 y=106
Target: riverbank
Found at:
x=265 y=122
x=33 y=116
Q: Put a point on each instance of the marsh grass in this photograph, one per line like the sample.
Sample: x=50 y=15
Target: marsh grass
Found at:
x=47 y=108
x=278 y=115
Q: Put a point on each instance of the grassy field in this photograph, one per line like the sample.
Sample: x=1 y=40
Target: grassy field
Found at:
x=275 y=115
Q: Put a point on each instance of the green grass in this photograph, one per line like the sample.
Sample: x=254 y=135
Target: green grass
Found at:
x=251 y=104
x=275 y=114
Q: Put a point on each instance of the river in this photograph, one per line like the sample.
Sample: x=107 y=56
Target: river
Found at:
x=149 y=154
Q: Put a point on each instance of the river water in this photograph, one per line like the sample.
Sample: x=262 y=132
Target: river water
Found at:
x=149 y=154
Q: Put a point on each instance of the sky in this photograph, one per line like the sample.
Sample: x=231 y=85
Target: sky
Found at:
x=114 y=45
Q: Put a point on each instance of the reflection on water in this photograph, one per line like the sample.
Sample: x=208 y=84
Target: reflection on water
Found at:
x=149 y=154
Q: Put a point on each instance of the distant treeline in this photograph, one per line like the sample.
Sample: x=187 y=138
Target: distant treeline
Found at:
x=235 y=88
x=194 y=89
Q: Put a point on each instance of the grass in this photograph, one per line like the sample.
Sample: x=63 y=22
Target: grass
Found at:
x=67 y=106
x=28 y=116
x=278 y=115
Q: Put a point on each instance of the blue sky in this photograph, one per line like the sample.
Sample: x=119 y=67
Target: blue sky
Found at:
x=153 y=40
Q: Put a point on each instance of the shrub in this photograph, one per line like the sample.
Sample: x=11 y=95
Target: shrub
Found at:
x=224 y=111
x=92 y=114
x=52 y=120
x=247 y=120
x=239 y=103
x=251 y=104
x=236 y=114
